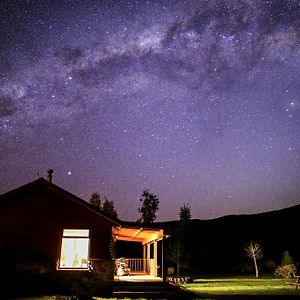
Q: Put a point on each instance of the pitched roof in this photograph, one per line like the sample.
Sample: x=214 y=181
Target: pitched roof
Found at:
x=43 y=184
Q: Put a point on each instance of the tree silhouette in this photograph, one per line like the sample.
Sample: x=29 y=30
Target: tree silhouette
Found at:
x=286 y=258
x=109 y=208
x=185 y=213
x=178 y=251
x=149 y=207
x=95 y=200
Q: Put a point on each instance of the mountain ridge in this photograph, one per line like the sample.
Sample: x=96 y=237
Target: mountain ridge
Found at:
x=217 y=245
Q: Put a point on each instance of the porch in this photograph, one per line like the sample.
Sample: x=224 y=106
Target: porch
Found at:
x=147 y=267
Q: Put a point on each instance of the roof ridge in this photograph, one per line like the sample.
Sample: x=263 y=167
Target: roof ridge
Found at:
x=55 y=188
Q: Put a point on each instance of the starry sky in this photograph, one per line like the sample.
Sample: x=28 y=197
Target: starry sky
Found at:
x=198 y=100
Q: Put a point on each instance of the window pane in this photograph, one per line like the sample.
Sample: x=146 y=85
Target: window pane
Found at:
x=76 y=232
x=74 y=253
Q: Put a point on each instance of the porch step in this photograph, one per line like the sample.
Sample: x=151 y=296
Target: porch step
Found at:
x=150 y=290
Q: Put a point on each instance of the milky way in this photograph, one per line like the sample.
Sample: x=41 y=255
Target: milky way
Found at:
x=197 y=100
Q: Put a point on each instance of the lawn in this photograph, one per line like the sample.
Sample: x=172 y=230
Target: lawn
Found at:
x=229 y=288
x=242 y=288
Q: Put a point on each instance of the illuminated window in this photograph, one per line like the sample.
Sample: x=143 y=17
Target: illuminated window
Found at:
x=74 y=249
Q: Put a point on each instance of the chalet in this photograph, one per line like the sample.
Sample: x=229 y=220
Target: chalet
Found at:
x=52 y=242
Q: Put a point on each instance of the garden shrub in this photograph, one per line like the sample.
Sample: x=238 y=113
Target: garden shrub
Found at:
x=286 y=271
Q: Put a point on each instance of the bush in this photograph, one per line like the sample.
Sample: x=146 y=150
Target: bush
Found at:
x=286 y=271
x=286 y=258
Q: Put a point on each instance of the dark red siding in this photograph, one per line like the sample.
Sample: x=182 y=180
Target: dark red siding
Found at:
x=32 y=223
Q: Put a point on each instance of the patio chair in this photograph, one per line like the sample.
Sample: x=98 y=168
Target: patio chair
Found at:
x=122 y=266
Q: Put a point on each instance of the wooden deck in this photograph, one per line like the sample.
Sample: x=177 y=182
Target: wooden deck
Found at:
x=137 y=278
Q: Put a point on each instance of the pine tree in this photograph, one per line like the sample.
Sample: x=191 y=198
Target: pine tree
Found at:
x=185 y=213
x=109 y=208
x=95 y=200
x=178 y=250
x=149 y=207
x=286 y=258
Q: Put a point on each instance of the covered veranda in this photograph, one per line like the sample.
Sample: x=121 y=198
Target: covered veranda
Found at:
x=150 y=265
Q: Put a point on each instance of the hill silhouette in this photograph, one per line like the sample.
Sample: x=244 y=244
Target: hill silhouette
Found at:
x=217 y=245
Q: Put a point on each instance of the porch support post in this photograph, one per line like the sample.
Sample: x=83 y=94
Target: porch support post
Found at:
x=163 y=260
x=155 y=258
x=148 y=259
x=144 y=257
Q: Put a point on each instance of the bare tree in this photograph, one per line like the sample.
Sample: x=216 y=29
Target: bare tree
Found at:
x=254 y=250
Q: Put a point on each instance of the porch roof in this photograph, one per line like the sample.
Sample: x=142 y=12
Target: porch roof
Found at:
x=137 y=234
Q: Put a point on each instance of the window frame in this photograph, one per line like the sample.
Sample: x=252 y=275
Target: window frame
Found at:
x=74 y=236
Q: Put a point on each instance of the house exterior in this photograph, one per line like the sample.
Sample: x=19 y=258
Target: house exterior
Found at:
x=52 y=242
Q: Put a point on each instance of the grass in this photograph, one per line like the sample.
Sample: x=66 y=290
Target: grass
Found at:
x=231 y=288
x=242 y=288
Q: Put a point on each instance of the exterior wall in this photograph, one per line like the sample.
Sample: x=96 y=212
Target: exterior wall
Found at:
x=31 y=231
x=33 y=226
x=95 y=283
x=105 y=270
x=41 y=278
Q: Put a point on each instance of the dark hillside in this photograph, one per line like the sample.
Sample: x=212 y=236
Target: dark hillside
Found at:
x=217 y=245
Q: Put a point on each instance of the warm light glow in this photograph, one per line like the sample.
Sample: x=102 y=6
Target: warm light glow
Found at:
x=74 y=249
x=76 y=232
x=143 y=235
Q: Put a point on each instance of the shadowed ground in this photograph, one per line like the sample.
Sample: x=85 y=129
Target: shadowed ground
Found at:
x=150 y=290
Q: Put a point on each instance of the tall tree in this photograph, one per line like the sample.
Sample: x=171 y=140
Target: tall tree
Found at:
x=149 y=207
x=185 y=213
x=175 y=253
x=254 y=251
x=178 y=251
x=286 y=258
x=95 y=200
x=109 y=208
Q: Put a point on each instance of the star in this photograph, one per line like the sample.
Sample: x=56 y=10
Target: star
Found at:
x=189 y=98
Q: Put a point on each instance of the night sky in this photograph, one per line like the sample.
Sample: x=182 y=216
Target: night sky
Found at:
x=197 y=100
